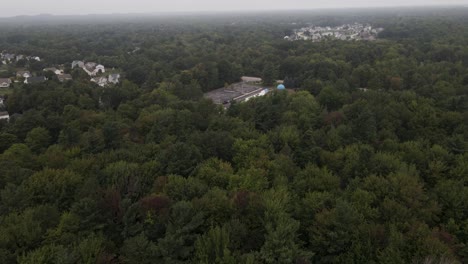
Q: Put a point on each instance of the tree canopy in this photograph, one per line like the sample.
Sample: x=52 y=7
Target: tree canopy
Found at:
x=363 y=160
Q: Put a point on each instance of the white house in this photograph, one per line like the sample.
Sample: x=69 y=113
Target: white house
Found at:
x=78 y=64
x=99 y=68
x=5 y=83
x=101 y=81
x=54 y=70
x=114 y=78
x=92 y=68
x=8 y=57
x=90 y=65
x=24 y=74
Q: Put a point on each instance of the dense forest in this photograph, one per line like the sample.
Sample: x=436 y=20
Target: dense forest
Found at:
x=363 y=160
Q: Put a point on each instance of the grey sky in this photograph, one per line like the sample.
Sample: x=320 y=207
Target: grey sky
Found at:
x=67 y=7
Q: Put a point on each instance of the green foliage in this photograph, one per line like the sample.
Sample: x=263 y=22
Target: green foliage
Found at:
x=281 y=238
x=52 y=186
x=362 y=160
x=38 y=139
x=269 y=74
x=6 y=140
x=213 y=247
x=182 y=230
x=139 y=250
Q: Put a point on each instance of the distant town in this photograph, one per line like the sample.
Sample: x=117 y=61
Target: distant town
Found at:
x=354 y=31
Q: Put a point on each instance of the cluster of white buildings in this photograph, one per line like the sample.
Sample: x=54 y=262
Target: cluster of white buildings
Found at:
x=7 y=58
x=354 y=31
x=93 y=69
x=59 y=72
x=110 y=79
x=22 y=76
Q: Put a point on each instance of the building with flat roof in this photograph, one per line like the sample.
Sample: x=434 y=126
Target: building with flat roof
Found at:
x=238 y=92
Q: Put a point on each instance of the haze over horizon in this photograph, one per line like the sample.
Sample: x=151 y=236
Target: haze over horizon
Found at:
x=84 y=7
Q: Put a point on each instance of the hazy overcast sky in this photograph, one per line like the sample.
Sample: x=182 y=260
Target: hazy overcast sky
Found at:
x=67 y=7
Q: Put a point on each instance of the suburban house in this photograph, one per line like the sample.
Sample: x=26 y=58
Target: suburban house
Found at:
x=92 y=68
x=37 y=79
x=24 y=74
x=90 y=65
x=100 y=68
x=101 y=81
x=5 y=83
x=114 y=78
x=54 y=70
x=78 y=64
x=34 y=58
x=248 y=79
x=64 y=77
x=8 y=57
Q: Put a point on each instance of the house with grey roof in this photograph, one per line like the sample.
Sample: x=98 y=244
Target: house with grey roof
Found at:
x=54 y=70
x=77 y=63
x=101 y=81
x=114 y=78
x=36 y=58
x=64 y=77
x=8 y=57
x=5 y=82
x=92 y=68
x=24 y=74
x=32 y=80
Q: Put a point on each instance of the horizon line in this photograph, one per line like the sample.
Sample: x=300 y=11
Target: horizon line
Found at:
x=238 y=10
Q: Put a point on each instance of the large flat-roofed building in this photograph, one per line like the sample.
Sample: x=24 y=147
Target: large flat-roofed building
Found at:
x=237 y=92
